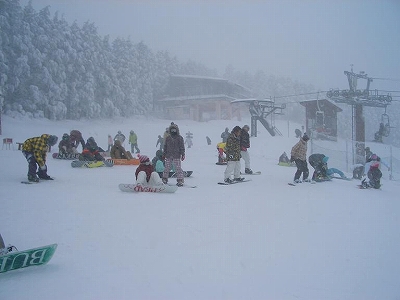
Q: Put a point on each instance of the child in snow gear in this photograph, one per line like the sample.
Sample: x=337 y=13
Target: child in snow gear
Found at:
x=298 y=155
x=232 y=151
x=221 y=150
x=174 y=153
x=91 y=152
x=374 y=173
x=158 y=163
x=145 y=174
x=75 y=137
x=244 y=145
x=225 y=135
x=35 y=150
x=133 y=142
x=119 y=152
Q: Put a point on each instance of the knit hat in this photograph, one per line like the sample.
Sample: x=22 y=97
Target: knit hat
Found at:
x=52 y=140
x=236 y=129
x=143 y=159
x=325 y=159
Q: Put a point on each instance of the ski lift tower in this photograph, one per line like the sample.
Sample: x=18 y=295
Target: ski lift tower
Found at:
x=358 y=99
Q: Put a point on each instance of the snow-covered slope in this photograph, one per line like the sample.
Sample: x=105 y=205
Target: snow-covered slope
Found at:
x=257 y=240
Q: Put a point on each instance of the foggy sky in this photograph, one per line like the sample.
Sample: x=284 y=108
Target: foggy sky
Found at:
x=309 y=41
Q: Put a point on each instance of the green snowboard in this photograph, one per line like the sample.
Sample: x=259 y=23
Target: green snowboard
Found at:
x=27 y=258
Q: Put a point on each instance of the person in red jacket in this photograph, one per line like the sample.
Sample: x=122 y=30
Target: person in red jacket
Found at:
x=145 y=174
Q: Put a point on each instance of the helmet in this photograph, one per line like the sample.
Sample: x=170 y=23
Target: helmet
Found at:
x=65 y=137
x=52 y=140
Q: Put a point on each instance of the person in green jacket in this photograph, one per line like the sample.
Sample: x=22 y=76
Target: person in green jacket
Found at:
x=133 y=142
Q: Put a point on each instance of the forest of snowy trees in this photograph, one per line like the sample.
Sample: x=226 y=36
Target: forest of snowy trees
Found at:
x=55 y=70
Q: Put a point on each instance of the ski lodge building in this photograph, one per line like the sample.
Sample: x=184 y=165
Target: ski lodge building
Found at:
x=201 y=98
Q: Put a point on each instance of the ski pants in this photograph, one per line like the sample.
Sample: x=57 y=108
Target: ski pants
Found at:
x=133 y=147
x=246 y=157
x=32 y=164
x=301 y=168
x=176 y=162
x=232 y=167
x=154 y=179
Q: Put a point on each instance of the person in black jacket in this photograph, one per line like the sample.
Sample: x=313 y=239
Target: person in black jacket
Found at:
x=244 y=145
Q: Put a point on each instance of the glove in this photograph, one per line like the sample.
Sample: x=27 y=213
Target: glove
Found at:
x=183 y=158
x=43 y=168
x=292 y=159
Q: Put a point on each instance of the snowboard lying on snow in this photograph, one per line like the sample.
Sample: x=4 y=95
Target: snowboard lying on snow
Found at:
x=123 y=162
x=90 y=164
x=173 y=174
x=132 y=188
x=65 y=156
x=22 y=259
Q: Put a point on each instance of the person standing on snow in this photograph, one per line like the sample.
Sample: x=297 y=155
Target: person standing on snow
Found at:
x=225 y=135
x=244 y=145
x=174 y=153
x=35 y=152
x=133 y=142
x=298 y=155
x=232 y=150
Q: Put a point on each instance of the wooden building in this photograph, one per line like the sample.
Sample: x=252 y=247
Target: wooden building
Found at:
x=321 y=118
x=200 y=98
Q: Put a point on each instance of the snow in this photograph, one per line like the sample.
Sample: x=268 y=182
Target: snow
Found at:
x=261 y=239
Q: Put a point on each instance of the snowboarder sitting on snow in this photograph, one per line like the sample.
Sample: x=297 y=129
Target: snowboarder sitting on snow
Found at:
x=174 y=153
x=158 y=163
x=319 y=162
x=145 y=174
x=232 y=151
x=298 y=155
x=76 y=138
x=35 y=150
x=284 y=160
x=119 y=152
x=65 y=146
x=91 y=152
x=374 y=173
x=374 y=176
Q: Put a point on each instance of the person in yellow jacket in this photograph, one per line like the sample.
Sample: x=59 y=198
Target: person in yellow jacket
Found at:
x=35 y=149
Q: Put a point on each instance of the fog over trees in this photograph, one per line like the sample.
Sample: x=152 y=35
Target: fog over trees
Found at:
x=56 y=70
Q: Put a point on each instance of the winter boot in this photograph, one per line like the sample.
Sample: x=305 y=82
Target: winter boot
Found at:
x=238 y=179
x=228 y=180
x=33 y=178
x=43 y=175
x=248 y=171
x=179 y=182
